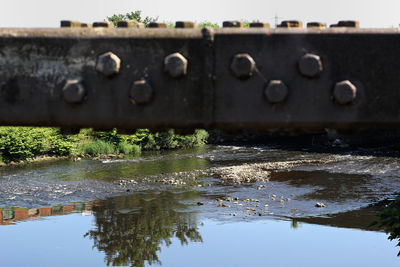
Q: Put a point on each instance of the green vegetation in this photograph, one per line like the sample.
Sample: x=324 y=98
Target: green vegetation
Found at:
x=136 y=15
x=21 y=143
x=97 y=147
x=25 y=143
x=208 y=24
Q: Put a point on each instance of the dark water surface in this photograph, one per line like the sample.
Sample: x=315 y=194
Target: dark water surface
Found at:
x=169 y=209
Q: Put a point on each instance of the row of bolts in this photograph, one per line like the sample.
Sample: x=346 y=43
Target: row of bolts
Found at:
x=242 y=66
x=192 y=25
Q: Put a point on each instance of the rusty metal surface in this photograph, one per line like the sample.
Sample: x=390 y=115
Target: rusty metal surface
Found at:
x=232 y=78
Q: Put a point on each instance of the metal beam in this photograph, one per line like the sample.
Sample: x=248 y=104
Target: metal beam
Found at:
x=232 y=78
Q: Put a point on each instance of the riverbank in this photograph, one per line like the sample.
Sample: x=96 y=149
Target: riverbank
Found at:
x=22 y=145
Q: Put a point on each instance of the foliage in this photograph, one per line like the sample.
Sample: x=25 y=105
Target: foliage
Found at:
x=98 y=147
x=169 y=140
x=60 y=145
x=135 y=237
x=25 y=143
x=136 y=15
x=199 y=138
x=389 y=220
x=128 y=149
x=108 y=136
x=208 y=24
x=152 y=141
x=246 y=23
x=21 y=143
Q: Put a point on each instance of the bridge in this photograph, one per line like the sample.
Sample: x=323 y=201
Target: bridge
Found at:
x=288 y=78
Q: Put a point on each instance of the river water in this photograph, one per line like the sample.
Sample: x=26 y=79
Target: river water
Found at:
x=211 y=206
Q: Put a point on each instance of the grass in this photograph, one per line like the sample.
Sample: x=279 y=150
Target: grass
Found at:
x=97 y=147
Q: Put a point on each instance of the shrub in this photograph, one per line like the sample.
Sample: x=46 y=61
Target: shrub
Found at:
x=128 y=149
x=169 y=140
x=21 y=143
x=108 y=136
x=60 y=145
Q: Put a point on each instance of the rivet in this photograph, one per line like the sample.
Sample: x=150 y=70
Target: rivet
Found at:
x=310 y=65
x=185 y=24
x=157 y=25
x=73 y=92
x=130 y=24
x=103 y=24
x=259 y=25
x=141 y=92
x=175 y=65
x=347 y=24
x=276 y=92
x=108 y=64
x=243 y=65
x=316 y=25
x=69 y=24
x=232 y=24
x=290 y=24
x=344 y=92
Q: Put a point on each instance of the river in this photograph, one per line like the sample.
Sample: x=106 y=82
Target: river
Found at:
x=210 y=206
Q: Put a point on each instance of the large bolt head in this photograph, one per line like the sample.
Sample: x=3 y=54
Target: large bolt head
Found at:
x=310 y=65
x=316 y=25
x=243 y=66
x=157 y=25
x=185 y=24
x=276 y=92
x=232 y=24
x=108 y=64
x=73 y=92
x=175 y=65
x=344 y=92
x=290 y=24
x=141 y=92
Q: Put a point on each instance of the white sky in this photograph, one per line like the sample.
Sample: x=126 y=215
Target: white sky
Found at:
x=48 y=13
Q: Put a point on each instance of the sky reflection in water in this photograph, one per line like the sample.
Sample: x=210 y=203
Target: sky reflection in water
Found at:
x=165 y=228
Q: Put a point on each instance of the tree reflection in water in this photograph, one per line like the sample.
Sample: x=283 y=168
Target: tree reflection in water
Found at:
x=389 y=220
x=131 y=229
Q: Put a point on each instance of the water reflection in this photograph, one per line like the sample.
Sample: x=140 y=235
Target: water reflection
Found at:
x=389 y=220
x=12 y=215
x=131 y=230
x=149 y=164
x=338 y=187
